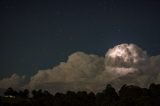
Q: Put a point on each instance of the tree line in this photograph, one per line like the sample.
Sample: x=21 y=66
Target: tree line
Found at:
x=128 y=95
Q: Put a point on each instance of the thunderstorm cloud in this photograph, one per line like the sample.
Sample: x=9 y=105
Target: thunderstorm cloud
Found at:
x=122 y=64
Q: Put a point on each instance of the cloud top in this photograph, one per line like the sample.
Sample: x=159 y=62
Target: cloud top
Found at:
x=125 y=55
x=125 y=58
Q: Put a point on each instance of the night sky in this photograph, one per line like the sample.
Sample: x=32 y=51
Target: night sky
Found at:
x=39 y=34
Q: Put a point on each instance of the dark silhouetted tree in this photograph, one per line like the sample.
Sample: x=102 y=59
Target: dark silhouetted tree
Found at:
x=11 y=92
x=24 y=93
x=128 y=96
x=130 y=91
x=107 y=97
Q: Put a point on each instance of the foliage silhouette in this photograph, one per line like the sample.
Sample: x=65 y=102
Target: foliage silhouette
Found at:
x=128 y=95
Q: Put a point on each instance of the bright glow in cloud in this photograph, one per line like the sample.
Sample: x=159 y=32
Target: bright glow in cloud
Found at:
x=127 y=53
x=122 y=64
x=124 y=58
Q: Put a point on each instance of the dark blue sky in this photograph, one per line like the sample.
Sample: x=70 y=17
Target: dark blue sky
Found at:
x=39 y=34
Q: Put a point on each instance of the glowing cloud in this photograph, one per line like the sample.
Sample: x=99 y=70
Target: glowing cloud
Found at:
x=122 y=64
x=124 y=58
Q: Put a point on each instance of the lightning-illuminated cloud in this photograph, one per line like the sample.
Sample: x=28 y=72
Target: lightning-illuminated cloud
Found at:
x=125 y=58
x=122 y=64
x=125 y=63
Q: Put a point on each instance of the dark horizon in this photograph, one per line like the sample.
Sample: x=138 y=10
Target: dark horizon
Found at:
x=127 y=95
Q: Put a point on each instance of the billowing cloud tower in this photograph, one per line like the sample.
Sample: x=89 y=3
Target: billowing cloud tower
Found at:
x=125 y=58
x=122 y=64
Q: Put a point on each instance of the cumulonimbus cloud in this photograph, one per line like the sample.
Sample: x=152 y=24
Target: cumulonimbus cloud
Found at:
x=122 y=64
